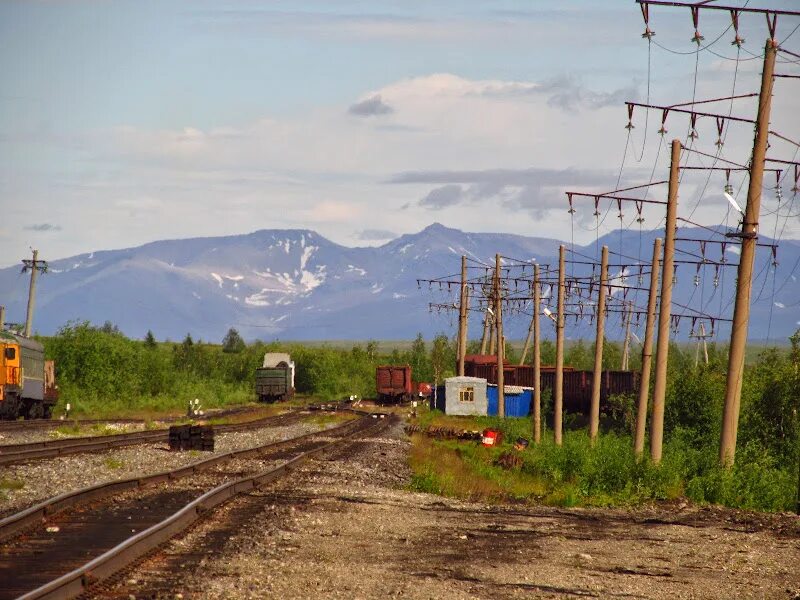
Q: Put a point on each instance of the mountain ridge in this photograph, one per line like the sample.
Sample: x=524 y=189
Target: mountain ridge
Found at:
x=297 y=284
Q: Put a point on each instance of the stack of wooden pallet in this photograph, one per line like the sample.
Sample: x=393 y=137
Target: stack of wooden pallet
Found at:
x=191 y=437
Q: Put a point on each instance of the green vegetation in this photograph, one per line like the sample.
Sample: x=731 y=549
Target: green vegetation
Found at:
x=113 y=463
x=100 y=372
x=763 y=478
x=11 y=484
x=328 y=419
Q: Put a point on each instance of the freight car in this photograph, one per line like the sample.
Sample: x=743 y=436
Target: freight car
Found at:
x=577 y=384
x=393 y=384
x=27 y=380
x=275 y=378
x=578 y=387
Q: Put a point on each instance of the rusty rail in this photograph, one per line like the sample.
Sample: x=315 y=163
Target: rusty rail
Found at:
x=79 y=580
x=14 y=453
x=20 y=521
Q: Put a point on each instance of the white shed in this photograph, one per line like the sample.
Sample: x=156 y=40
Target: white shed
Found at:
x=464 y=396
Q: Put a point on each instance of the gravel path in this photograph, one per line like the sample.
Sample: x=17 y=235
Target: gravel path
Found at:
x=46 y=478
x=346 y=529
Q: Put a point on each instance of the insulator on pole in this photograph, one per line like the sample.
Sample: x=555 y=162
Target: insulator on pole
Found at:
x=696 y=38
x=720 y=127
x=737 y=41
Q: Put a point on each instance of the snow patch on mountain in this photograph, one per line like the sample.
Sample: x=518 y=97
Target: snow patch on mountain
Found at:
x=308 y=251
x=359 y=270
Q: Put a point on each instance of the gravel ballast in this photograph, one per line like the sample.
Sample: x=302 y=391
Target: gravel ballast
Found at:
x=346 y=528
x=42 y=479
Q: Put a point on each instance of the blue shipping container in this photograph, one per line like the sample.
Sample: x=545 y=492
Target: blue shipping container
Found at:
x=517 y=404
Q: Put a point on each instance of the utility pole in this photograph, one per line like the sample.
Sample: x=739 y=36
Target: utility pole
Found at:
x=462 y=318
x=498 y=317
x=558 y=385
x=626 y=345
x=701 y=337
x=528 y=337
x=35 y=266
x=647 y=352
x=485 y=336
x=744 y=282
x=597 y=374
x=2 y=317
x=665 y=309
x=467 y=295
x=493 y=333
x=537 y=358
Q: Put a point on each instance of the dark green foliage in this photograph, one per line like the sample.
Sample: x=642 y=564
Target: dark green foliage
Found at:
x=418 y=358
x=764 y=476
x=579 y=355
x=443 y=358
x=547 y=349
x=232 y=342
x=101 y=369
x=109 y=327
x=150 y=340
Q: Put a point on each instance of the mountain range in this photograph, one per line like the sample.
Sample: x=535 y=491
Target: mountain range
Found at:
x=297 y=285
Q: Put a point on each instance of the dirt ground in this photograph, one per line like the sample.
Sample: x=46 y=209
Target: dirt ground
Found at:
x=346 y=528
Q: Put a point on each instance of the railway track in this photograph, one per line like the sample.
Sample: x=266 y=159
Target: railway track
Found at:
x=112 y=525
x=11 y=426
x=16 y=453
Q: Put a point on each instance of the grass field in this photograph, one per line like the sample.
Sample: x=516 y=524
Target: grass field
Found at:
x=578 y=474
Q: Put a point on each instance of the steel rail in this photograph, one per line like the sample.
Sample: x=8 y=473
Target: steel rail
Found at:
x=79 y=580
x=15 y=453
x=13 y=524
x=50 y=423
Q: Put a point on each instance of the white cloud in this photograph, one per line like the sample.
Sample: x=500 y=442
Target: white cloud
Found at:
x=529 y=141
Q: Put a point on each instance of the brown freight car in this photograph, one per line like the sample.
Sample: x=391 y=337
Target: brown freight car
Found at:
x=393 y=383
x=577 y=384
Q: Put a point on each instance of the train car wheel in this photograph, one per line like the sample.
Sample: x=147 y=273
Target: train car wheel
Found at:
x=35 y=410
x=10 y=408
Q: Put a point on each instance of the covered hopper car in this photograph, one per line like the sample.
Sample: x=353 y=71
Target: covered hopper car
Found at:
x=27 y=380
x=275 y=378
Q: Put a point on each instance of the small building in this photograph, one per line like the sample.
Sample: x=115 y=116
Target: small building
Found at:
x=517 y=399
x=462 y=396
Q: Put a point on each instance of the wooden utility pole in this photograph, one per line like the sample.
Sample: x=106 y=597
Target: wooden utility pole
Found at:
x=701 y=337
x=744 y=282
x=485 y=336
x=493 y=334
x=35 y=266
x=537 y=359
x=467 y=298
x=665 y=309
x=647 y=352
x=528 y=337
x=597 y=374
x=498 y=319
x=626 y=344
x=558 y=384
x=462 y=318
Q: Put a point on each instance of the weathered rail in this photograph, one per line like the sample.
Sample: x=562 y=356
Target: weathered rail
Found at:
x=15 y=453
x=53 y=423
x=123 y=553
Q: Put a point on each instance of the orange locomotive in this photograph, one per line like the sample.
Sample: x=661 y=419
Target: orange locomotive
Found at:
x=27 y=380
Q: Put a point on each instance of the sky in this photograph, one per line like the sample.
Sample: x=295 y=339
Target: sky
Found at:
x=128 y=122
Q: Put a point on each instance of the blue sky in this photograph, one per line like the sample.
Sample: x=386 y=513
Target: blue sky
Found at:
x=126 y=122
